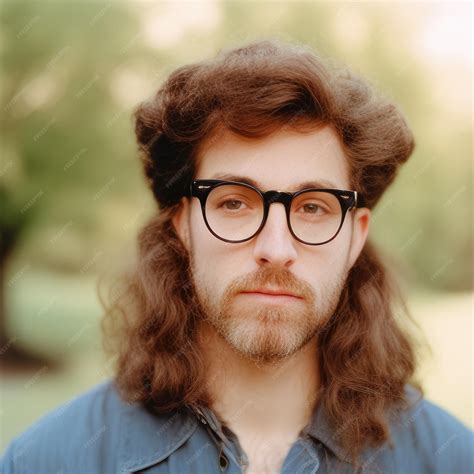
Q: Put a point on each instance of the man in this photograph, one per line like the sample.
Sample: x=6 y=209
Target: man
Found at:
x=258 y=331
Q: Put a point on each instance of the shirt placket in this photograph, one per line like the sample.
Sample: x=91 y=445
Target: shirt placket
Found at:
x=229 y=446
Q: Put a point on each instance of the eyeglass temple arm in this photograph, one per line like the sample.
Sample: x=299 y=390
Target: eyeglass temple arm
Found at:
x=359 y=200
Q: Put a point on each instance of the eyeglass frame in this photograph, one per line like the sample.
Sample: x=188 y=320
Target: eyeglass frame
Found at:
x=348 y=200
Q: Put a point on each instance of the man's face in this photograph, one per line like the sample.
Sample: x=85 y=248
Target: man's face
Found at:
x=261 y=327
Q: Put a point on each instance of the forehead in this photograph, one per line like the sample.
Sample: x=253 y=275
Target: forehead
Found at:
x=284 y=160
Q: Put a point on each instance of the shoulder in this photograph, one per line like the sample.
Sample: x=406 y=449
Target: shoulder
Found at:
x=71 y=433
x=425 y=432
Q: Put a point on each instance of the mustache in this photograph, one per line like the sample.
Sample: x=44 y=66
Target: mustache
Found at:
x=282 y=278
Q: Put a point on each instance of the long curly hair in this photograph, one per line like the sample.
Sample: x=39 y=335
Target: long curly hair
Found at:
x=367 y=353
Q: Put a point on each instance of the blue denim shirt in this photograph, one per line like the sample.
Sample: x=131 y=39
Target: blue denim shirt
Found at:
x=97 y=432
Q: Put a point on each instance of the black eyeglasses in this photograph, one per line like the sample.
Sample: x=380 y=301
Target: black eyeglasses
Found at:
x=236 y=212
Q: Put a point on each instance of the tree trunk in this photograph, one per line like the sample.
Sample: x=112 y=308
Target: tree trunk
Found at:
x=13 y=356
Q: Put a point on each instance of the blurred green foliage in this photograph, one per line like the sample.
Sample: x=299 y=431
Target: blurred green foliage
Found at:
x=71 y=184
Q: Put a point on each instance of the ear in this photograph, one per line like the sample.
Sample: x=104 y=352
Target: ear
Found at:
x=180 y=222
x=360 y=226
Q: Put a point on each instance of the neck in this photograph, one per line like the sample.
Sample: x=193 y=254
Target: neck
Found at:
x=275 y=399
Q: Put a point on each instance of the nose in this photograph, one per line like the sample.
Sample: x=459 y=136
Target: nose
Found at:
x=274 y=244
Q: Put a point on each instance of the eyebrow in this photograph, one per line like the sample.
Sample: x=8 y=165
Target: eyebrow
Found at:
x=320 y=183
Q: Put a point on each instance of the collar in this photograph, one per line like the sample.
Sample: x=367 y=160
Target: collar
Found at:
x=140 y=431
x=319 y=428
x=322 y=429
x=146 y=438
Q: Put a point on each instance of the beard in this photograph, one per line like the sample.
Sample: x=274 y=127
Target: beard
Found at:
x=264 y=332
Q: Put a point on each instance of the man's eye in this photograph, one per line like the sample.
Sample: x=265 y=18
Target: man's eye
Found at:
x=312 y=208
x=232 y=204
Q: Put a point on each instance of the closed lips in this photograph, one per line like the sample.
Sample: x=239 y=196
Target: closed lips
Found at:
x=272 y=292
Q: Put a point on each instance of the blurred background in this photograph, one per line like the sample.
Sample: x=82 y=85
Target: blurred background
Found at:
x=72 y=196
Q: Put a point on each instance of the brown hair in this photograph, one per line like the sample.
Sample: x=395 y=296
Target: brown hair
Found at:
x=367 y=357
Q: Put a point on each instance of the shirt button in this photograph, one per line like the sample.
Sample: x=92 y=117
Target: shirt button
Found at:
x=223 y=462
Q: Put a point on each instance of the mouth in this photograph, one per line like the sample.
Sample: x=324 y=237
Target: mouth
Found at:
x=271 y=293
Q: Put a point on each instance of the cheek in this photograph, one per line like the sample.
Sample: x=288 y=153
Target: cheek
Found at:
x=212 y=260
x=337 y=251
x=336 y=259
x=324 y=264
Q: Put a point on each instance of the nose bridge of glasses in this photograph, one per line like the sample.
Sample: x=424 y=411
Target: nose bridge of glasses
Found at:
x=271 y=197
x=277 y=196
